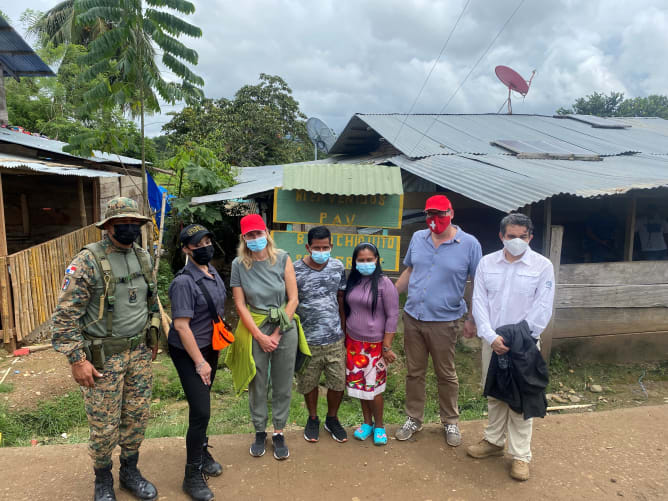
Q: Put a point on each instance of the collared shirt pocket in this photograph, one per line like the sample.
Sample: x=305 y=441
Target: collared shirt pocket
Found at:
x=493 y=281
x=527 y=282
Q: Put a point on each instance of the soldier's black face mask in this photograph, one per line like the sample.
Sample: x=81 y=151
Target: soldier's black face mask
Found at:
x=126 y=233
x=202 y=255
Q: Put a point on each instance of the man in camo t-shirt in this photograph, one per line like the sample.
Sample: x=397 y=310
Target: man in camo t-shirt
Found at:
x=321 y=281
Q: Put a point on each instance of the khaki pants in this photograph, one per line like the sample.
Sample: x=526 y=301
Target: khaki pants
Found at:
x=437 y=339
x=503 y=421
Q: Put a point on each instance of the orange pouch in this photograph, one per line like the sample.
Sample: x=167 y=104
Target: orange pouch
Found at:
x=222 y=337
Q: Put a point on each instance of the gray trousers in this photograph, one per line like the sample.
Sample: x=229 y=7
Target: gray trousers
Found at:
x=281 y=363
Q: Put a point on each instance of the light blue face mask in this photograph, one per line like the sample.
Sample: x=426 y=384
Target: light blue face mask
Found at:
x=366 y=269
x=320 y=257
x=257 y=245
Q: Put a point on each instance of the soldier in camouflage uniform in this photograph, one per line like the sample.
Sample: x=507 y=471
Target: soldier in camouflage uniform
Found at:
x=106 y=318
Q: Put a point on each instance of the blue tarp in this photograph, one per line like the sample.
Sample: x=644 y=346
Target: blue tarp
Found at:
x=155 y=198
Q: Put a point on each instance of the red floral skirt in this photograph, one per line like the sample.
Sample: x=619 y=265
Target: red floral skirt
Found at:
x=366 y=372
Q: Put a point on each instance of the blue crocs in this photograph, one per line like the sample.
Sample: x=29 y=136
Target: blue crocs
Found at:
x=363 y=432
x=379 y=436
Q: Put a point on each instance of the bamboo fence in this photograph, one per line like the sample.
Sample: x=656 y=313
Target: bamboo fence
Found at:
x=30 y=281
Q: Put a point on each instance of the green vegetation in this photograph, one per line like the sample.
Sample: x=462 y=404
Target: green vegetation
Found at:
x=614 y=105
x=6 y=387
x=49 y=420
x=229 y=413
x=262 y=125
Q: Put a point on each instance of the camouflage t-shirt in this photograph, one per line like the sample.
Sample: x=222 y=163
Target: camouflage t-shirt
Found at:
x=318 y=307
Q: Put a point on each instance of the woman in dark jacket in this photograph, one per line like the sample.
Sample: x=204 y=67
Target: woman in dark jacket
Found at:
x=190 y=346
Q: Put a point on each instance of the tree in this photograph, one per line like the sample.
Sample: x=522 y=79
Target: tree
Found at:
x=261 y=125
x=125 y=58
x=59 y=25
x=55 y=106
x=614 y=105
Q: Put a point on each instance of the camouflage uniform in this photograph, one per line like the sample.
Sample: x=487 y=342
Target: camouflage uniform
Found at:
x=118 y=405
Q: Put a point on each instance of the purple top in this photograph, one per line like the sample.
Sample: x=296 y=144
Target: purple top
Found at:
x=360 y=324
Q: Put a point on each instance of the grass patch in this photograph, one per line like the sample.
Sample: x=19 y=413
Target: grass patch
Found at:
x=230 y=413
x=50 y=419
x=6 y=387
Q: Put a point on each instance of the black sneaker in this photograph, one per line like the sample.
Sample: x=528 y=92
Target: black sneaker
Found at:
x=257 y=448
x=333 y=426
x=312 y=429
x=280 y=449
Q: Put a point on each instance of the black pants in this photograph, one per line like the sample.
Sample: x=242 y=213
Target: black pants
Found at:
x=198 y=395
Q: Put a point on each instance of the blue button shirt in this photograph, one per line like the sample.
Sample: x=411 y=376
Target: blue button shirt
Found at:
x=437 y=282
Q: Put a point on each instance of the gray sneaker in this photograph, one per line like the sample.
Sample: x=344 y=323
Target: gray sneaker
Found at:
x=410 y=427
x=452 y=435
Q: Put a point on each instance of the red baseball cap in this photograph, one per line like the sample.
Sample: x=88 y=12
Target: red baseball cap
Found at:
x=438 y=202
x=252 y=222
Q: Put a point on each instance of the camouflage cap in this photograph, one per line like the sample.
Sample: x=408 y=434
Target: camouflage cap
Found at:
x=121 y=207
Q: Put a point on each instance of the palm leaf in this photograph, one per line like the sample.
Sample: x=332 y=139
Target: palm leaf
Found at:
x=173 y=46
x=179 y=5
x=181 y=69
x=172 y=24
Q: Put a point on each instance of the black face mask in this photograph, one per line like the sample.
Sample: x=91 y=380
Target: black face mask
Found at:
x=202 y=255
x=126 y=233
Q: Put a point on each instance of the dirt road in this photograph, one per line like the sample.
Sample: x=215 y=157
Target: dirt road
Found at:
x=621 y=454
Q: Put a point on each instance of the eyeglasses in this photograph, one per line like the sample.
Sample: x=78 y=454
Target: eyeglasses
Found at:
x=439 y=213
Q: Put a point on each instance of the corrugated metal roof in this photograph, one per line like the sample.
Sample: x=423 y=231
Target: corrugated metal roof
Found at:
x=254 y=180
x=250 y=181
x=19 y=162
x=508 y=183
x=18 y=57
x=52 y=146
x=343 y=179
x=453 y=134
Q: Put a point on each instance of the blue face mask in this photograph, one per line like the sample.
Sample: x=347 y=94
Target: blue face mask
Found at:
x=257 y=245
x=366 y=269
x=320 y=257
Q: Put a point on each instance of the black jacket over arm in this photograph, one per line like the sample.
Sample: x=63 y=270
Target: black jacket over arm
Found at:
x=522 y=384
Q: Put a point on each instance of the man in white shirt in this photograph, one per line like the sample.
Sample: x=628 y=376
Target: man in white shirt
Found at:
x=511 y=285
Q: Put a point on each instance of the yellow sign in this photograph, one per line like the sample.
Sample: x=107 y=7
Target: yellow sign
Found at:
x=306 y=207
x=343 y=245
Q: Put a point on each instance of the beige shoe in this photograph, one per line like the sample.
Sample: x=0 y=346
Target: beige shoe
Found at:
x=484 y=449
x=520 y=470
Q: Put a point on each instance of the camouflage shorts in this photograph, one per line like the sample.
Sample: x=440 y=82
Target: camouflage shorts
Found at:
x=330 y=359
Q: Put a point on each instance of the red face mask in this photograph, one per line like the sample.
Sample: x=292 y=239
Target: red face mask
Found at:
x=438 y=224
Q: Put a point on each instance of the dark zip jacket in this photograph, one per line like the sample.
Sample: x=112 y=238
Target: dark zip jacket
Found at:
x=519 y=377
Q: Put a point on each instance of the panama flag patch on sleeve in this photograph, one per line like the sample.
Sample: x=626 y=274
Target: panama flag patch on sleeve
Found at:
x=70 y=270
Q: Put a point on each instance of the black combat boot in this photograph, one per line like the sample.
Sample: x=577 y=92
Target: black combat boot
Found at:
x=131 y=479
x=210 y=466
x=194 y=483
x=104 y=484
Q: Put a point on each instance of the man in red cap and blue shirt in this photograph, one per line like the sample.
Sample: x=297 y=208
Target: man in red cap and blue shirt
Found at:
x=438 y=262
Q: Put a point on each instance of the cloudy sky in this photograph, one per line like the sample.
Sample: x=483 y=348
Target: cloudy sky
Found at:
x=372 y=56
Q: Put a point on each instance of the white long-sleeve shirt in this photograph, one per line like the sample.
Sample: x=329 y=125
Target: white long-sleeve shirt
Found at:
x=507 y=293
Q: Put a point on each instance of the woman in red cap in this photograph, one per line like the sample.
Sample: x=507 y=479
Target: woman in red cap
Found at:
x=264 y=288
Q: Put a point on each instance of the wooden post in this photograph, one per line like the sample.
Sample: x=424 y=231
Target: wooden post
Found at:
x=96 y=200
x=547 y=224
x=6 y=297
x=3 y=233
x=556 y=236
x=82 y=203
x=630 y=229
x=25 y=214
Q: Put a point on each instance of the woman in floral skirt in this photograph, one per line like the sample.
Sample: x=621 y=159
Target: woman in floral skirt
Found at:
x=372 y=311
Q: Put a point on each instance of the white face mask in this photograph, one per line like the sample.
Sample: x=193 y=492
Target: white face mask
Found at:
x=516 y=246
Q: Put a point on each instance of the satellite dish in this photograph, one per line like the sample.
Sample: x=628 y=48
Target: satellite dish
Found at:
x=321 y=136
x=515 y=82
